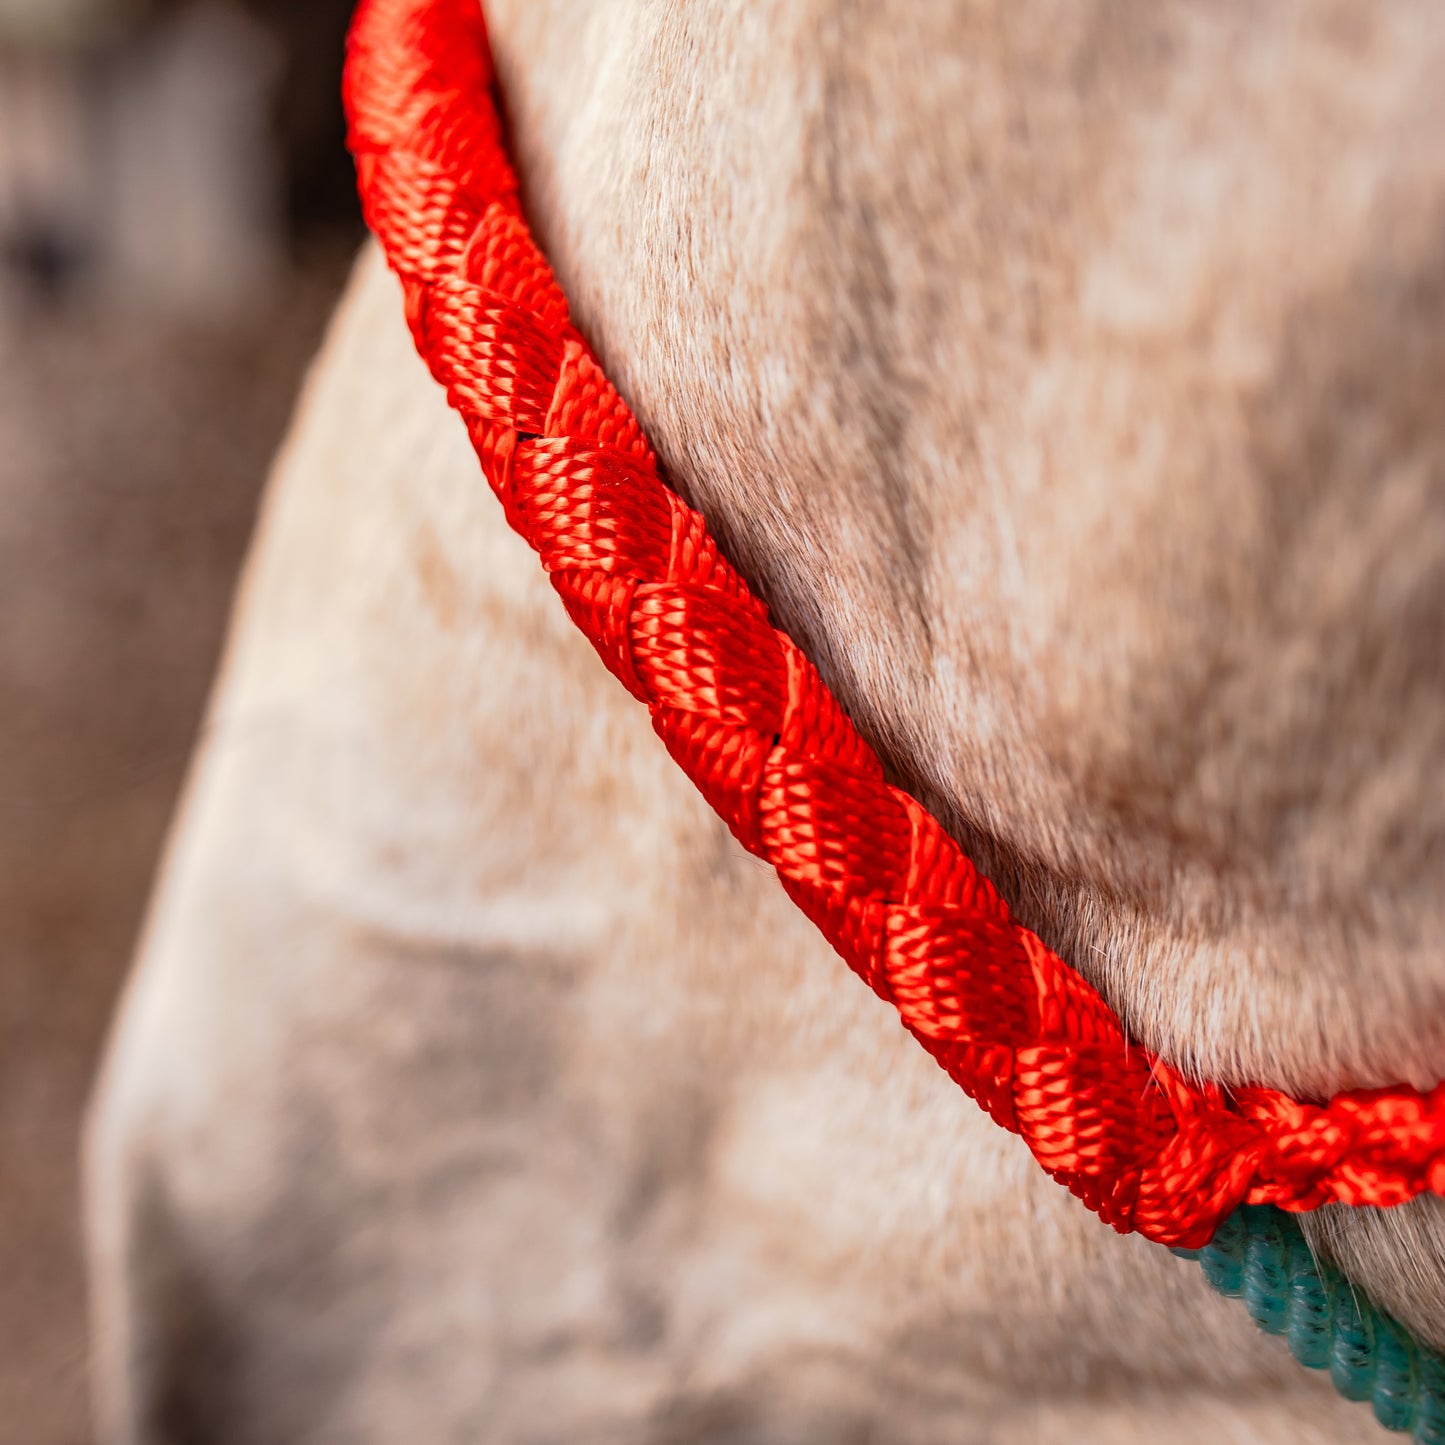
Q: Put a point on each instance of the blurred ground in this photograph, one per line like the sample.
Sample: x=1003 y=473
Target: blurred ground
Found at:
x=134 y=440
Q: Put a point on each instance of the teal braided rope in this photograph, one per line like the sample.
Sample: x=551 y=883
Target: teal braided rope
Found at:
x=1259 y=1254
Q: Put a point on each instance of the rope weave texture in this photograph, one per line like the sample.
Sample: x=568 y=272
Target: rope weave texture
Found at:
x=1260 y=1255
x=752 y=724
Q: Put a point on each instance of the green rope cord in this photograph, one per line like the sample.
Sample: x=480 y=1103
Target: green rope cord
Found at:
x=1259 y=1254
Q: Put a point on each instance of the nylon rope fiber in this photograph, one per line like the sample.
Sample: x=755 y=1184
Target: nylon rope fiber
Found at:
x=750 y=721
x=1260 y=1255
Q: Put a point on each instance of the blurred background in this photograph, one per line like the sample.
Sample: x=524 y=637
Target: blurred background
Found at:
x=176 y=219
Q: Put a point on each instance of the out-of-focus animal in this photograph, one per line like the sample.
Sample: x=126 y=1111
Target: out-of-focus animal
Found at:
x=1068 y=378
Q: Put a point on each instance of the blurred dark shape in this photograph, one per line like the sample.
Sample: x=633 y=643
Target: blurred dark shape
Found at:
x=45 y=257
x=319 y=180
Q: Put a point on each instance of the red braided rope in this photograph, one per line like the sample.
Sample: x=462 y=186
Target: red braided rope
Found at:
x=751 y=723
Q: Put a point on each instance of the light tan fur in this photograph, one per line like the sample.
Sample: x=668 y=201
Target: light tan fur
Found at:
x=1068 y=378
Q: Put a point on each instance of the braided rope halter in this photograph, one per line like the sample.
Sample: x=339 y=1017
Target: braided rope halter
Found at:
x=753 y=725
x=750 y=721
